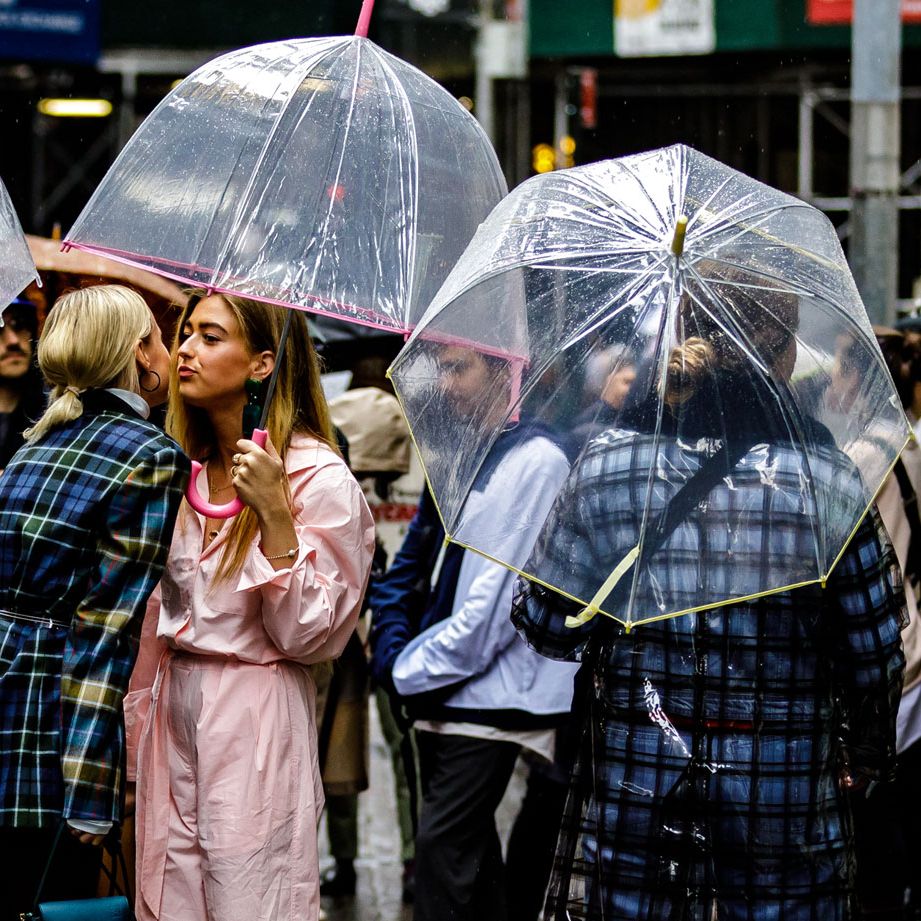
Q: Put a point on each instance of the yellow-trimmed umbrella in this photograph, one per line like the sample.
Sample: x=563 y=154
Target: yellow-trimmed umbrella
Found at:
x=661 y=268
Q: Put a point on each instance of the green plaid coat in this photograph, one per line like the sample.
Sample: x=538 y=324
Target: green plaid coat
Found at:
x=86 y=517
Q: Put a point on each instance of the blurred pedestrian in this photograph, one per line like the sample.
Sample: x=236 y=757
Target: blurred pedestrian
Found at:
x=610 y=374
x=449 y=655
x=888 y=820
x=21 y=391
x=379 y=445
x=716 y=744
x=229 y=794
x=87 y=508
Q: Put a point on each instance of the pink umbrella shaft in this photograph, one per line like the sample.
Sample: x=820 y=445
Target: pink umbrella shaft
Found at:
x=364 y=18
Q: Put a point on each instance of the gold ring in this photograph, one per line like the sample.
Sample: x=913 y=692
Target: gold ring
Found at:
x=233 y=470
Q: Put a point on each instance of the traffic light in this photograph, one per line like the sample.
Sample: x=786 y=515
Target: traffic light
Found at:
x=543 y=158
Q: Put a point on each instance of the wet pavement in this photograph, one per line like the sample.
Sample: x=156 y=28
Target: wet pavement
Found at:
x=379 y=868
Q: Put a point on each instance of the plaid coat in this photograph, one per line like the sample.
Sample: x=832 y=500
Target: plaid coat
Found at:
x=86 y=516
x=712 y=741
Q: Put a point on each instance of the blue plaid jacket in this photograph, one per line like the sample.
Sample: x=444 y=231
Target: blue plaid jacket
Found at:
x=785 y=659
x=86 y=517
x=725 y=727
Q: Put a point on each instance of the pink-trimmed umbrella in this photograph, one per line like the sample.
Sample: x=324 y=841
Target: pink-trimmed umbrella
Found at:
x=322 y=174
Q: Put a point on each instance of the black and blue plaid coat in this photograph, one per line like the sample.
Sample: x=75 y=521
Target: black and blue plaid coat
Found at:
x=708 y=767
x=86 y=517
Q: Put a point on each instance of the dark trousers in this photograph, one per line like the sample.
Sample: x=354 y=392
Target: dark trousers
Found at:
x=459 y=871
x=532 y=843
x=342 y=826
x=74 y=873
x=887 y=833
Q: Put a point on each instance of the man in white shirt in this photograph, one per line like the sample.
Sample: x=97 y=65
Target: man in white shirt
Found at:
x=444 y=644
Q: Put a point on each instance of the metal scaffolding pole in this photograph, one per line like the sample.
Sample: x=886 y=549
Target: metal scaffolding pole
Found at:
x=483 y=90
x=875 y=148
x=501 y=54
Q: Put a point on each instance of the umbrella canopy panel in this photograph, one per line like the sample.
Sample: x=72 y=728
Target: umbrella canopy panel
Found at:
x=312 y=173
x=642 y=364
x=17 y=269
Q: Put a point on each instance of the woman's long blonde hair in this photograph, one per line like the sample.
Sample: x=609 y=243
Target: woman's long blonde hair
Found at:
x=298 y=404
x=88 y=342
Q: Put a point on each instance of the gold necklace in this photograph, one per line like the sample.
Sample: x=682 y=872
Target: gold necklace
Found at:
x=213 y=488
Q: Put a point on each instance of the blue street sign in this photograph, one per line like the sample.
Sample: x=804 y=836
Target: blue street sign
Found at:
x=50 y=30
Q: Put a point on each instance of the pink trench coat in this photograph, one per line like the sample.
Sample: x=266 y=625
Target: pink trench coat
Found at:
x=220 y=712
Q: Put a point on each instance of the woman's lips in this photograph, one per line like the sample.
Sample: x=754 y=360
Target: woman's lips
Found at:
x=184 y=372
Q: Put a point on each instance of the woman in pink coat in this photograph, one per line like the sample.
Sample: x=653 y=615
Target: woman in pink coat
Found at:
x=222 y=700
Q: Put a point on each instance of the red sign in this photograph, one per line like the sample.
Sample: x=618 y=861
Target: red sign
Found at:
x=393 y=511
x=588 y=97
x=841 y=12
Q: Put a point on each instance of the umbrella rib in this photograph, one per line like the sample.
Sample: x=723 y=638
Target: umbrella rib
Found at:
x=662 y=217
x=590 y=206
x=500 y=268
x=662 y=340
x=806 y=289
x=409 y=282
x=869 y=346
x=338 y=173
x=586 y=328
x=767 y=239
x=725 y=222
x=235 y=223
x=703 y=207
x=242 y=212
x=601 y=315
x=624 y=224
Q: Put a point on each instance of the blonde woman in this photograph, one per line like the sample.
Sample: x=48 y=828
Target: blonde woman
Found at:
x=229 y=791
x=87 y=508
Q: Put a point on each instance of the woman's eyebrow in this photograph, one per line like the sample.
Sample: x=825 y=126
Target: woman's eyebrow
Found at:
x=211 y=325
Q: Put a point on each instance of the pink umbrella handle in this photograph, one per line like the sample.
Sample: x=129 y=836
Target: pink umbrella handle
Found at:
x=206 y=508
x=364 y=18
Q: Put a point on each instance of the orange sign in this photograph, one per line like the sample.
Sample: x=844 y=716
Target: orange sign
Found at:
x=841 y=12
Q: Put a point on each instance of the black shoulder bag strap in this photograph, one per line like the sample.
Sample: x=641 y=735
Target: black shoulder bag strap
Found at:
x=41 y=883
x=910 y=504
x=697 y=488
x=694 y=491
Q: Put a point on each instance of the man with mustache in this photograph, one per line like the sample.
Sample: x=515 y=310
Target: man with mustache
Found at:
x=21 y=395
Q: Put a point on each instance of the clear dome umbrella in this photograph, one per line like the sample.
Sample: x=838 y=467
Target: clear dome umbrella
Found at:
x=665 y=314
x=322 y=174
x=17 y=268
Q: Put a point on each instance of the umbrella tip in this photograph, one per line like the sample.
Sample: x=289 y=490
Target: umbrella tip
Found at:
x=681 y=229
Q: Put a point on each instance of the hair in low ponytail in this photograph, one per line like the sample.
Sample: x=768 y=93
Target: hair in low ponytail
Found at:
x=89 y=341
x=754 y=321
x=688 y=364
